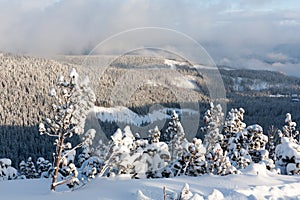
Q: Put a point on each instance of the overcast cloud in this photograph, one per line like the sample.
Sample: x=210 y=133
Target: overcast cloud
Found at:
x=260 y=34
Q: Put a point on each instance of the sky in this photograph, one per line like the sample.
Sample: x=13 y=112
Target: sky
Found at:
x=256 y=34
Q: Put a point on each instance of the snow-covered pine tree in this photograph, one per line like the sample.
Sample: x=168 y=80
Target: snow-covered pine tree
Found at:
x=137 y=157
x=289 y=129
x=90 y=168
x=288 y=157
x=7 y=172
x=73 y=99
x=91 y=160
x=175 y=133
x=28 y=169
x=44 y=167
x=234 y=123
x=273 y=141
x=155 y=155
x=196 y=163
x=213 y=119
x=121 y=151
x=288 y=151
x=256 y=145
x=191 y=163
x=154 y=135
x=218 y=162
x=85 y=154
x=235 y=141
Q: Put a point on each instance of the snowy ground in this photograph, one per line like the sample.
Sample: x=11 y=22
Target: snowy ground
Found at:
x=255 y=183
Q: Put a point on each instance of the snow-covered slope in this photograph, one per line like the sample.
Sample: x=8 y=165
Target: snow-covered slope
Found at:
x=255 y=183
x=125 y=115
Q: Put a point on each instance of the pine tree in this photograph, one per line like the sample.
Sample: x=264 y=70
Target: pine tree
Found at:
x=154 y=135
x=218 y=162
x=235 y=141
x=288 y=151
x=85 y=154
x=287 y=156
x=213 y=120
x=289 y=129
x=256 y=145
x=137 y=157
x=73 y=99
x=155 y=153
x=121 y=151
x=196 y=164
x=273 y=135
x=28 y=169
x=176 y=136
x=44 y=167
x=90 y=168
x=7 y=172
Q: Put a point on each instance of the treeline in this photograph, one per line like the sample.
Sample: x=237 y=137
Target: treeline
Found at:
x=228 y=148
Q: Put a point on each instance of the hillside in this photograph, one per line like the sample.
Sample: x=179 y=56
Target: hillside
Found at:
x=144 y=84
x=255 y=183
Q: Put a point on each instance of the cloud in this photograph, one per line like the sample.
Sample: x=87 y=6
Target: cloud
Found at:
x=227 y=29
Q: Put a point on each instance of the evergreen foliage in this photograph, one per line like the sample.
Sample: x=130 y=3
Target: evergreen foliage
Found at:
x=7 y=172
x=218 y=162
x=213 y=120
x=28 y=169
x=44 y=167
x=288 y=151
x=235 y=142
x=175 y=137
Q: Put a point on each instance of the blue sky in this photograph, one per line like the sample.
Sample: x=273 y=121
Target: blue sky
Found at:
x=259 y=34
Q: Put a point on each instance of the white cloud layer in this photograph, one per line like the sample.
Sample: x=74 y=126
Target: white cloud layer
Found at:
x=236 y=30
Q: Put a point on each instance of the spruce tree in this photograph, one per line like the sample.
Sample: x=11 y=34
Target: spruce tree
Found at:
x=235 y=141
x=7 y=172
x=176 y=135
x=288 y=151
x=213 y=120
x=289 y=129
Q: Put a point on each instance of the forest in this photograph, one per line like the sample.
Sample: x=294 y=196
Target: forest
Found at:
x=227 y=147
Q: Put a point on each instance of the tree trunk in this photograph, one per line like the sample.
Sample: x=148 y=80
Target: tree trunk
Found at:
x=57 y=162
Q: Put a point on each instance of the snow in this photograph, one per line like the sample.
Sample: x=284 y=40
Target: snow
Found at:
x=216 y=195
x=122 y=114
x=186 y=82
x=241 y=83
x=255 y=182
x=278 y=95
x=173 y=63
x=5 y=161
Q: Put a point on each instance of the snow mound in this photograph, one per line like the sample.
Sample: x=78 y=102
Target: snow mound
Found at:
x=215 y=195
x=186 y=194
x=141 y=196
x=197 y=197
x=256 y=169
x=288 y=191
